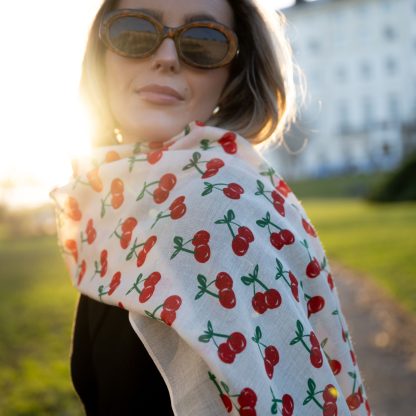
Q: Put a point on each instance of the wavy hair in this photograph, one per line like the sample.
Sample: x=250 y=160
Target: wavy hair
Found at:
x=259 y=102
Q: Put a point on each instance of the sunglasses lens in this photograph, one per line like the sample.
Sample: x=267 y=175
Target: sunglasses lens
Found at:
x=204 y=46
x=133 y=36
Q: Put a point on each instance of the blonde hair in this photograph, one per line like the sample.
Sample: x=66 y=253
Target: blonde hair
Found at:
x=259 y=102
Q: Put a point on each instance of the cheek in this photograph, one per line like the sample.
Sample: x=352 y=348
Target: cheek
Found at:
x=208 y=87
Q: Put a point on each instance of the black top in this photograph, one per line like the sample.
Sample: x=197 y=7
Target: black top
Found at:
x=111 y=370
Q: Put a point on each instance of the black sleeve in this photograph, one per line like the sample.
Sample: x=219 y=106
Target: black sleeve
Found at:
x=111 y=369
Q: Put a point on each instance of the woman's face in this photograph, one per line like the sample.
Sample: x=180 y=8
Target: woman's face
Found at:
x=143 y=116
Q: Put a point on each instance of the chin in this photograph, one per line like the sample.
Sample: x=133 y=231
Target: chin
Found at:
x=159 y=128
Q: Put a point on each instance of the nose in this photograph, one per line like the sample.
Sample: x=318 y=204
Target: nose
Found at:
x=166 y=58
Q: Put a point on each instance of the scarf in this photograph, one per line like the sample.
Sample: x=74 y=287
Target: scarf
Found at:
x=224 y=277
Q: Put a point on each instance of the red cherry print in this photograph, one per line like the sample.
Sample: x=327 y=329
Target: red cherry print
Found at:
x=115 y=281
x=210 y=172
x=94 y=180
x=272 y=354
x=128 y=224
x=237 y=342
x=335 y=366
x=117 y=186
x=160 y=195
x=330 y=409
x=259 y=303
x=167 y=181
x=111 y=156
x=103 y=268
x=272 y=298
x=236 y=187
x=154 y=157
x=288 y=405
x=367 y=407
x=353 y=401
x=330 y=281
x=146 y=293
x=227 y=298
x=313 y=268
x=82 y=271
x=141 y=258
x=71 y=245
x=276 y=240
x=72 y=209
x=201 y=237
x=330 y=393
x=314 y=341
x=152 y=280
x=223 y=280
x=278 y=198
x=150 y=242
x=168 y=316
x=268 y=366
x=287 y=237
x=214 y=164
x=344 y=335
x=279 y=207
x=246 y=233
x=316 y=357
x=247 y=397
x=117 y=200
x=230 y=193
x=125 y=239
x=227 y=141
x=202 y=253
x=353 y=358
x=172 y=303
x=178 y=212
x=294 y=286
x=315 y=304
x=225 y=353
x=308 y=228
x=283 y=188
x=227 y=402
x=360 y=394
x=239 y=245
x=178 y=201
x=199 y=123
x=247 y=411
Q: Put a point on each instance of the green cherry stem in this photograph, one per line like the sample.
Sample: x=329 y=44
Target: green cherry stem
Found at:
x=214 y=380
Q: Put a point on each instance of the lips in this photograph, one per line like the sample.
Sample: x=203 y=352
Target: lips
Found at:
x=162 y=90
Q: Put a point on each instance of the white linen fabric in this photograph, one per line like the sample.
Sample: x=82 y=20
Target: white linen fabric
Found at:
x=224 y=277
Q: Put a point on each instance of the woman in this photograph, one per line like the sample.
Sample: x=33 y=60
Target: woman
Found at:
x=204 y=287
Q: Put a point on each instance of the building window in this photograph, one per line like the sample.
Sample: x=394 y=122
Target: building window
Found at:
x=343 y=117
x=365 y=69
x=368 y=112
x=341 y=73
x=314 y=45
x=393 y=107
x=389 y=33
x=391 y=65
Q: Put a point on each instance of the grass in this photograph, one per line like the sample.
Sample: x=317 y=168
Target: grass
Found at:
x=36 y=310
x=357 y=185
x=376 y=239
x=37 y=300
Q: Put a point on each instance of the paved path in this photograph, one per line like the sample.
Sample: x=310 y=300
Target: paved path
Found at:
x=384 y=338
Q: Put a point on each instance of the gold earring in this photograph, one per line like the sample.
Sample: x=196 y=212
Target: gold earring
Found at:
x=118 y=136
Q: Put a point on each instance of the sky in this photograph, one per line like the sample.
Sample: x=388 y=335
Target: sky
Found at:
x=43 y=123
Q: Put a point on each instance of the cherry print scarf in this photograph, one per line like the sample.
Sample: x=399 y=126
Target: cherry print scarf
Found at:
x=224 y=277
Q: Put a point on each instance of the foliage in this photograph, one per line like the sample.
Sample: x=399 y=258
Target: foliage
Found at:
x=400 y=185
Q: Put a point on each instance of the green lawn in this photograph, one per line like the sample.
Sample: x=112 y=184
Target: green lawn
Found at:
x=36 y=309
x=377 y=239
x=37 y=301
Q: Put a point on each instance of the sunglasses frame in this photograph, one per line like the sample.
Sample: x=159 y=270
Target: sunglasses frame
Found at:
x=164 y=32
